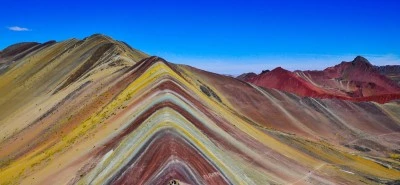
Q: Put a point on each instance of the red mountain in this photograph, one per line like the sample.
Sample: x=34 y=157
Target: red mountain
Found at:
x=357 y=80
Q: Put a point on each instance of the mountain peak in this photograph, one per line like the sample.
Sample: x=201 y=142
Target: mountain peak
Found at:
x=279 y=69
x=98 y=36
x=359 y=60
x=246 y=76
x=17 y=48
x=265 y=71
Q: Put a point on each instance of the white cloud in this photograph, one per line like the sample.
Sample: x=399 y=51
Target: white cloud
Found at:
x=237 y=66
x=17 y=28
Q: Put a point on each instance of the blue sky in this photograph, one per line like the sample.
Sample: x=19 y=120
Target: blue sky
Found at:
x=220 y=36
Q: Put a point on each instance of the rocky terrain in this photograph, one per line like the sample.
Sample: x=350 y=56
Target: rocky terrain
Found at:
x=96 y=111
x=357 y=80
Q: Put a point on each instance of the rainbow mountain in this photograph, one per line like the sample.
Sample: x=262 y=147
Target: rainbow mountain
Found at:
x=96 y=111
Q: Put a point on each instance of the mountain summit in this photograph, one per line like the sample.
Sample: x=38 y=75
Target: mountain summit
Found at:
x=361 y=61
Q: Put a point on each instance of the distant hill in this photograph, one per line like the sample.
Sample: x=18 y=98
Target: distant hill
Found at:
x=390 y=71
x=357 y=80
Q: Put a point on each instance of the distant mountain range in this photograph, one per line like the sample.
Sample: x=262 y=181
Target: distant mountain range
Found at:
x=97 y=111
x=390 y=71
x=357 y=80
